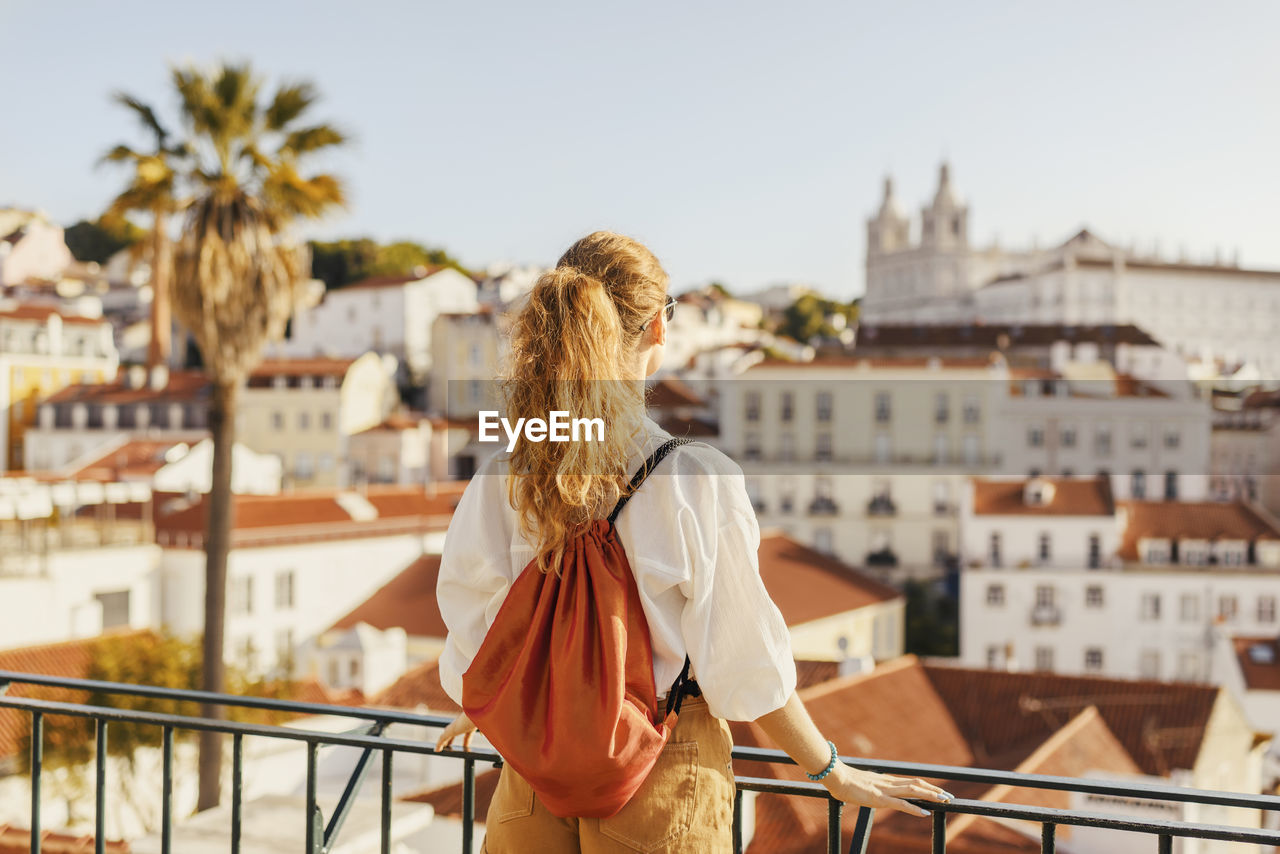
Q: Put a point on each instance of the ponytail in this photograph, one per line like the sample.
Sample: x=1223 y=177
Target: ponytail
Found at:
x=570 y=346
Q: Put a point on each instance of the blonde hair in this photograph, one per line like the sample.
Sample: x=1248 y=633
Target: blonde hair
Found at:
x=569 y=348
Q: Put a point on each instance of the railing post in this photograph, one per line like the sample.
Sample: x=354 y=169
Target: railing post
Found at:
x=939 y=832
x=468 y=804
x=1166 y=844
x=862 y=830
x=386 y=801
x=1048 y=837
x=166 y=793
x=834 y=808
x=100 y=786
x=237 y=788
x=314 y=829
x=37 y=766
x=737 y=820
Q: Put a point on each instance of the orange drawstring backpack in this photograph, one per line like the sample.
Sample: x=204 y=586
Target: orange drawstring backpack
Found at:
x=562 y=685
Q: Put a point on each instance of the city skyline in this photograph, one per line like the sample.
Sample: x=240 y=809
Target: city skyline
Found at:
x=741 y=148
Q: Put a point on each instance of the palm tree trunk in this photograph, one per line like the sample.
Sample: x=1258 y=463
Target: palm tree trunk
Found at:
x=161 y=266
x=222 y=424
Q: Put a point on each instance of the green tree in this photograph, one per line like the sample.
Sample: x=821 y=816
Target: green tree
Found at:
x=341 y=262
x=97 y=241
x=812 y=316
x=238 y=271
x=152 y=190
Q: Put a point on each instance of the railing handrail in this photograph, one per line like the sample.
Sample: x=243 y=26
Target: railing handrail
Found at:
x=1152 y=791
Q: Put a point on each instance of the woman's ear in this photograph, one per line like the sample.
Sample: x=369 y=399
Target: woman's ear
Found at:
x=660 y=329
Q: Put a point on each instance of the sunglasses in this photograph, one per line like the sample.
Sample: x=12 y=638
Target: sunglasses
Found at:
x=669 y=310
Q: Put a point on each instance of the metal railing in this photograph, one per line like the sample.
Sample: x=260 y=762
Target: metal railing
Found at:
x=320 y=836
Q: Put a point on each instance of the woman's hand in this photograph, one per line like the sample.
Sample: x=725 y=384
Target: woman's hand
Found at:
x=461 y=726
x=867 y=788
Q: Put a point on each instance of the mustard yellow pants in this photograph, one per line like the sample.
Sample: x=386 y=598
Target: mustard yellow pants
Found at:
x=684 y=805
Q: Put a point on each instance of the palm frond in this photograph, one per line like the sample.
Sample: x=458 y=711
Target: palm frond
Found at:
x=146 y=116
x=290 y=101
x=309 y=139
x=120 y=154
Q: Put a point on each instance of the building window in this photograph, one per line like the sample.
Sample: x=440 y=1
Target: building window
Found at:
x=751 y=446
x=941 y=408
x=883 y=447
x=941 y=547
x=1172 y=438
x=884 y=411
x=1035 y=436
x=1044 y=658
x=240 y=595
x=940 y=445
x=993 y=550
x=1171 y=486
x=1093 y=596
x=1150 y=609
x=1044 y=596
x=1149 y=664
x=1068 y=437
x=277 y=420
x=970 y=445
x=326 y=420
x=822 y=448
x=1189 y=666
x=115 y=608
x=1189 y=608
x=1138 y=484
x=752 y=409
x=1228 y=606
x=822 y=540
x=1102 y=441
x=993 y=656
x=304 y=420
x=1093 y=659
x=941 y=498
x=1095 y=551
x=972 y=409
x=1138 y=436
x=824 y=406
x=284 y=651
x=302 y=468
x=995 y=595
x=1266 y=609
x=1044 y=548
x=788 y=406
x=284 y=589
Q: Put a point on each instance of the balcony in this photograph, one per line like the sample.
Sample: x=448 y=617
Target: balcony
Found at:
x=823 y=506
x=368 y=724
x=881 y=505
x=1045 y=615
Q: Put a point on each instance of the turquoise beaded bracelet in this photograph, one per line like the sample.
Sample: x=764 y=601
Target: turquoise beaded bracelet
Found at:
x=830 y=765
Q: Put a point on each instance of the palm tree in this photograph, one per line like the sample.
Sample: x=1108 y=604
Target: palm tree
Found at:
x=153 y=190
x=237 y=272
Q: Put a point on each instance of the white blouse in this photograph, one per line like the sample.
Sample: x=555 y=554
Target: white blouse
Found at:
x=692 y=540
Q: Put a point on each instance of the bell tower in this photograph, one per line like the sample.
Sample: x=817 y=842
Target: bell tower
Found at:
x=945 y=222
x=888 y=230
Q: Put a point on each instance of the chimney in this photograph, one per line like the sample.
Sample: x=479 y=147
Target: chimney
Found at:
x=159 y=376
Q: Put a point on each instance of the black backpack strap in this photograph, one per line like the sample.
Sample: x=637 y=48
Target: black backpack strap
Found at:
x=643 y=472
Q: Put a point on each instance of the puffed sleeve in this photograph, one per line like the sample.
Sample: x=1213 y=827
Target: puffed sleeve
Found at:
x=474 y=575
x=734 y=634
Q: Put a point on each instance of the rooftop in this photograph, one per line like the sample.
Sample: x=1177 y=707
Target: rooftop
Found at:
x=1191 y=520
x=996 y=336
x=808 y=585
x=1059 y=497
x=1259 y=659
x=407 y=601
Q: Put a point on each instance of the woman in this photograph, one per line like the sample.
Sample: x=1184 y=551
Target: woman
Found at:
x=592 y=330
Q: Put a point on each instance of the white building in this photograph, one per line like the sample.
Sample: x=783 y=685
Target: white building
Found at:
x=31 y=248
x=1059 y=577
x=1214 y=311
x=1244 y=462
x=468 y=352
x=865 y=458
x=298 y=562
x=386 y=314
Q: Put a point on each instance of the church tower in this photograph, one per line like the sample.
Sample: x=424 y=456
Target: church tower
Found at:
x=945 y=222
x=888 y=230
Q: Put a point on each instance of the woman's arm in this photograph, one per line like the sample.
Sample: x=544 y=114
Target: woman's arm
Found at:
x=791 y=728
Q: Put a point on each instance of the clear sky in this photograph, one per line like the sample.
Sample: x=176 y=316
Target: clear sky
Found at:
x=743 y=141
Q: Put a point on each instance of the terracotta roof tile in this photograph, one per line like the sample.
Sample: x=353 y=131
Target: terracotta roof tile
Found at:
x=1191 y=520
x=317 y=514
x=407 y=601
x=1070 y=497
x=694 y=427
x=1005 y=716
x=420 y=686
x=137 y=459
x=1258 y=673
x=69 y=659
x=808 y=585
x=993 y=335
x=183 y=386
x=17 y=840
x=42 y=313
x=858 y=361
x=810 y=673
